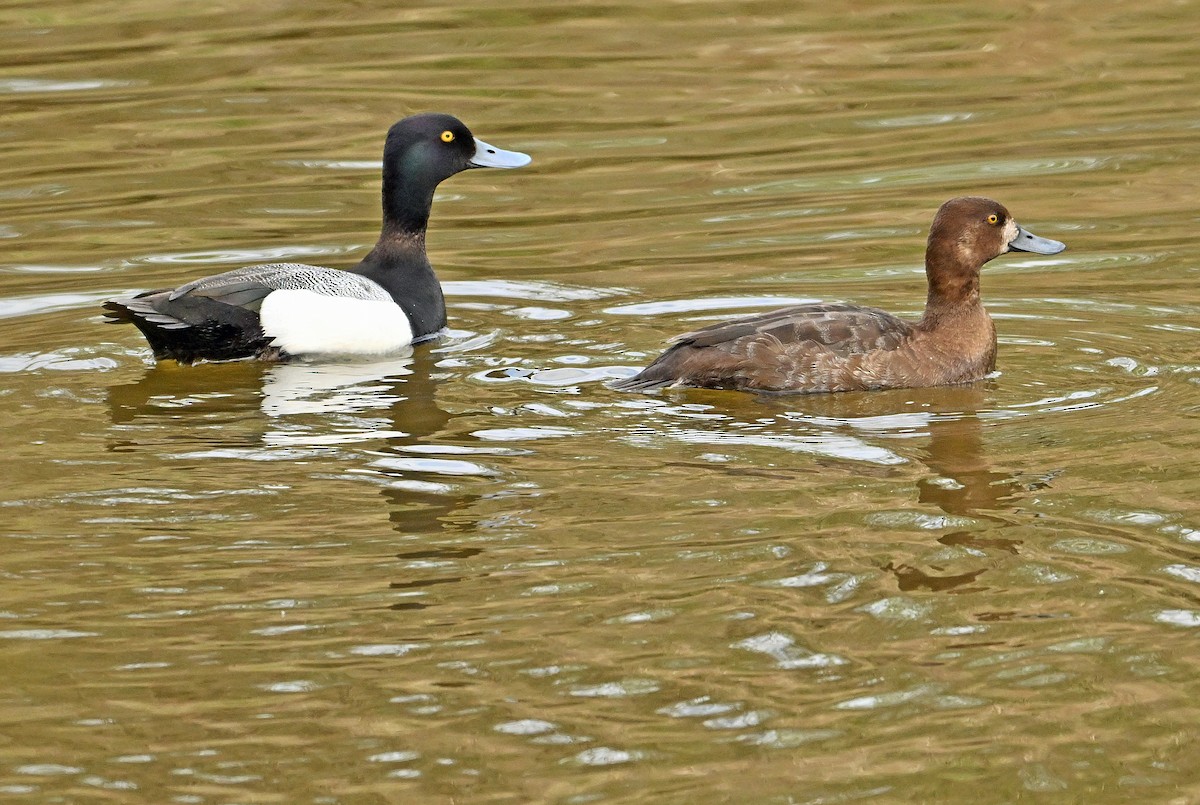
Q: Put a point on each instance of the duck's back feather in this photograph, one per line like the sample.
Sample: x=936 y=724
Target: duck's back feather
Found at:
x=841 y=328
x=252 y=283
x=825 y=347
x=217 y=317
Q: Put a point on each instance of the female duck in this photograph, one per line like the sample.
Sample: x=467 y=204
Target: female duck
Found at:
x=283 y=310
x=836 y=347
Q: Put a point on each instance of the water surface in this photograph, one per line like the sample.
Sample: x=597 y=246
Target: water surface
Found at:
x=478 y=574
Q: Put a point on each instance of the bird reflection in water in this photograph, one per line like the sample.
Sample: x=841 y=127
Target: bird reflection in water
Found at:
x=962 y=483
x=274 y=407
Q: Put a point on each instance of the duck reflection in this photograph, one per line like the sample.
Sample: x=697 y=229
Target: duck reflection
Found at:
x=275 y=405
x=965 y=483
x=962 y=483
x=165 y=390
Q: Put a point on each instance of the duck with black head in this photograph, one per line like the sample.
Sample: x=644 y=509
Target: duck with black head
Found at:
x=284 y=310
x=839 y=347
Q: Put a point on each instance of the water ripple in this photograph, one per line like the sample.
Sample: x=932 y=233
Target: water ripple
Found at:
x=536 y=290
x=272 y=254
x=43 y=634
x=373 y=165
x=607 y=756
x=958 y=173
x=831 y=445
x=525 y=726
x=563 y=377
x=666 y=307
x=783 y=649
x=1179 y=617
x=66 y=360
x=523 y=434
x=34 y=85
x=16 y=306
x=435 y=466
x=915 y=121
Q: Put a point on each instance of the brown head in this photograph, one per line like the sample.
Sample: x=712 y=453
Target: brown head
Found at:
x=967 y=232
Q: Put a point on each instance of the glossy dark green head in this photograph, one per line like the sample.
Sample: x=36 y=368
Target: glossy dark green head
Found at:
x=423 y=150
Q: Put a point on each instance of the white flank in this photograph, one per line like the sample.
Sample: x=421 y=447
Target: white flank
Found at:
x=308 y=323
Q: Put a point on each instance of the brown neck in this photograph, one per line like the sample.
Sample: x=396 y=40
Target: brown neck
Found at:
x=394 y=239
x=953 y=284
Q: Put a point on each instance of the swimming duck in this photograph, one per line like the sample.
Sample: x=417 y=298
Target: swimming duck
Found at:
x=838 y=347
x=282 y=310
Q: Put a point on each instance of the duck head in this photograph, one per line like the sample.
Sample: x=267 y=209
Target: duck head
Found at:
x=966 y=233
x=423 y=150
x=978 y=229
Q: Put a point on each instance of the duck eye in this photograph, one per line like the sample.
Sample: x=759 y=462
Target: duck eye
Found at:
x=447 y=136
x=993 y=219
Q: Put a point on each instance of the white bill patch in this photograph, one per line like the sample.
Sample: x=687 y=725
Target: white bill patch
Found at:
x=1010 y=233
x=308 y=323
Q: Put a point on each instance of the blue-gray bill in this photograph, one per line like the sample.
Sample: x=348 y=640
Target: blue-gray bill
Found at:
x=1026 y=241
x=489 y=156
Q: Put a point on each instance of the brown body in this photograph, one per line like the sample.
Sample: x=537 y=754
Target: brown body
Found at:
x=841 y=347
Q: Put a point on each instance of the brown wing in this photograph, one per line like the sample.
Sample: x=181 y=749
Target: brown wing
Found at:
x=842 y=329
x=805 y=348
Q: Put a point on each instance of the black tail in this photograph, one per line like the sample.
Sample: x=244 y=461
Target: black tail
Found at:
x=194 y=329
x=115 y=312
x=139 y=311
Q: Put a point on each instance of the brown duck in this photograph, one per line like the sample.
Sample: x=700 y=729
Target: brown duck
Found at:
x=820 y=348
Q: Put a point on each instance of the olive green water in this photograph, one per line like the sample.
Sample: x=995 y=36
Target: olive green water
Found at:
x=479 y=575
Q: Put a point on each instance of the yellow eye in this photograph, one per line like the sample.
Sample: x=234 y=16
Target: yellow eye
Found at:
x=447 y=136
x=991 y=219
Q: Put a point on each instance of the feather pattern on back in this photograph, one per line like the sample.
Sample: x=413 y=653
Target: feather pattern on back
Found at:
x=827 y=347
x=246 y=282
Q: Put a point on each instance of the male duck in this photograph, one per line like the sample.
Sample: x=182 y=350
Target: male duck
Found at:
x=283 y=310
x=837 y=347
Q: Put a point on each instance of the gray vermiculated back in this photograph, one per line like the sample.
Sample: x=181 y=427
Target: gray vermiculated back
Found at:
x=292 y=277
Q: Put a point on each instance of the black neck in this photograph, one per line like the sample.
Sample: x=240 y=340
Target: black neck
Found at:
x=398 y=263
x=406 y=211
x=407 y=193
